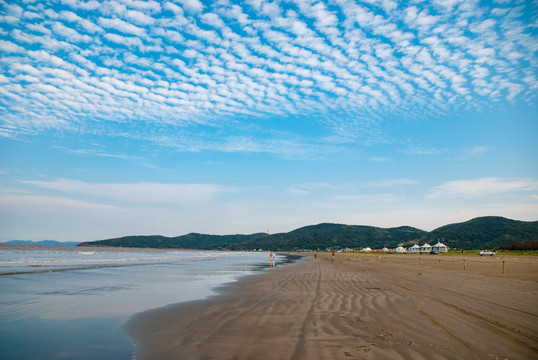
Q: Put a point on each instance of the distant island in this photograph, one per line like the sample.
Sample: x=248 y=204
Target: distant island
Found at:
x=479 y=233
x=43 y=242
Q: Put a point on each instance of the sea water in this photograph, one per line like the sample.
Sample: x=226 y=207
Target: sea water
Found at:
x=71 y=302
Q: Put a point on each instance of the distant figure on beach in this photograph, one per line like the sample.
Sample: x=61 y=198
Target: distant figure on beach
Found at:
x=272 y=258
x=315 y=254
x=332 y=256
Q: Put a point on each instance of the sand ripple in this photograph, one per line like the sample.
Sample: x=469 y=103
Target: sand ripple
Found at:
x=350 y=308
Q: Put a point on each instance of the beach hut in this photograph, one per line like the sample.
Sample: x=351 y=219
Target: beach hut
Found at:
x=400 y=249
x=440 y=247
x=426 y=248
x=414 y=249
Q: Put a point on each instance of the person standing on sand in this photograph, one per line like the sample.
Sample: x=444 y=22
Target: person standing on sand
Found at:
x=315 y=254
x=332 y=256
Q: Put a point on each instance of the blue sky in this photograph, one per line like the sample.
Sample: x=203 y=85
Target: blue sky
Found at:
x=144 y=117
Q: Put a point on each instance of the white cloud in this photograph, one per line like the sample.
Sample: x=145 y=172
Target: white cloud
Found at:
x=124 y=40
x=46 y=57
x=13 y=13
x=145 y=5
x=192 y=5
x=141 y=193
x=420 y=150
x=473 y=152
x=84 y=5
x=139 y=17
x=393 y=182
x=70 y=34
x=483 y=186
x=122 y=26
x=308 y=188
x=9 y=47
x=379 y=159
x=213 y=20
x=312 y=59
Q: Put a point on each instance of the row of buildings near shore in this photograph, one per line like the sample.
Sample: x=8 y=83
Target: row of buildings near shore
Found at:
x=415 y=249
x=439 y=247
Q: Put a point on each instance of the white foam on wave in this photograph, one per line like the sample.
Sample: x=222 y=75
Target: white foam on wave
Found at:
x=32 y=260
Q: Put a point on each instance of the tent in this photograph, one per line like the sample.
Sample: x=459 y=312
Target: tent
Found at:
x=425 y=248
x=400 y=249
x=440 y=247
x=414 y=249
x=366 y=249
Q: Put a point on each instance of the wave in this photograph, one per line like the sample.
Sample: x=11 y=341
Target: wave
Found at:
x=40 y=261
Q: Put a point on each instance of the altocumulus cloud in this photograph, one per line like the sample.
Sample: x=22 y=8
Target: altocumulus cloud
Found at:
x=86 y=65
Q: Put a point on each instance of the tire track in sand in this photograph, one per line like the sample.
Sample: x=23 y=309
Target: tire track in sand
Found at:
x=301 y=344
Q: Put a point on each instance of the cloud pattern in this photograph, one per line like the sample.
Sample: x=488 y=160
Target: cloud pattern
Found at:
x=96 y=67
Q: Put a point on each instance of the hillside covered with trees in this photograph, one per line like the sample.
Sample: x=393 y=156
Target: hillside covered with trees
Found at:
x=188 y=241
x=483 y=232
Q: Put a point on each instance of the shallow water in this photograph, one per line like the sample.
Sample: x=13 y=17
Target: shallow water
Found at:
x=60 y=303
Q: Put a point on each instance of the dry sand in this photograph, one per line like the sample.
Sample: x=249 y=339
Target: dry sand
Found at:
x=354 y=308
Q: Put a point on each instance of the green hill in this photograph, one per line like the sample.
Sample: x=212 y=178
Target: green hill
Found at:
x=335 y=236
x=189 y=241
x=483 y=232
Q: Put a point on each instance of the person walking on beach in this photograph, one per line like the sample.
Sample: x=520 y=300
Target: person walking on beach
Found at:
x=332 y=256
x=315 y=254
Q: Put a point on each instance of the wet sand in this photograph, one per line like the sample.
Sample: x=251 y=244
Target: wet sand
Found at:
x=355 y=307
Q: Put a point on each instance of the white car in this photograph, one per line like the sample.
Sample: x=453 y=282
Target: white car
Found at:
x=486 y=252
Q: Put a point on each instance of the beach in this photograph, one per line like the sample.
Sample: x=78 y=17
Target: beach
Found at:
x=362 y=307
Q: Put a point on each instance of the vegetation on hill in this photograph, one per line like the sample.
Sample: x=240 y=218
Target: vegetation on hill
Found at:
x=484 y=232
x=523 y=245
x=335 y=236
x=189 y=241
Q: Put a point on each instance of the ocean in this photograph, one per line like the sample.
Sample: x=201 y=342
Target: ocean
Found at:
x=71 y=302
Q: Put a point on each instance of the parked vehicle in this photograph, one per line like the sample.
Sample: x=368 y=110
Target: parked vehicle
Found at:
x=486 y=252
x=434 y=252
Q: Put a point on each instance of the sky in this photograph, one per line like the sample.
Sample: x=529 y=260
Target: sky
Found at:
x=222 y=117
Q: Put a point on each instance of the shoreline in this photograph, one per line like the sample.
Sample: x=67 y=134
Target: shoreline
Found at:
x=349 y=308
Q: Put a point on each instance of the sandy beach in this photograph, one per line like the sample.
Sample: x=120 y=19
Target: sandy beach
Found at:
x=354 y=308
